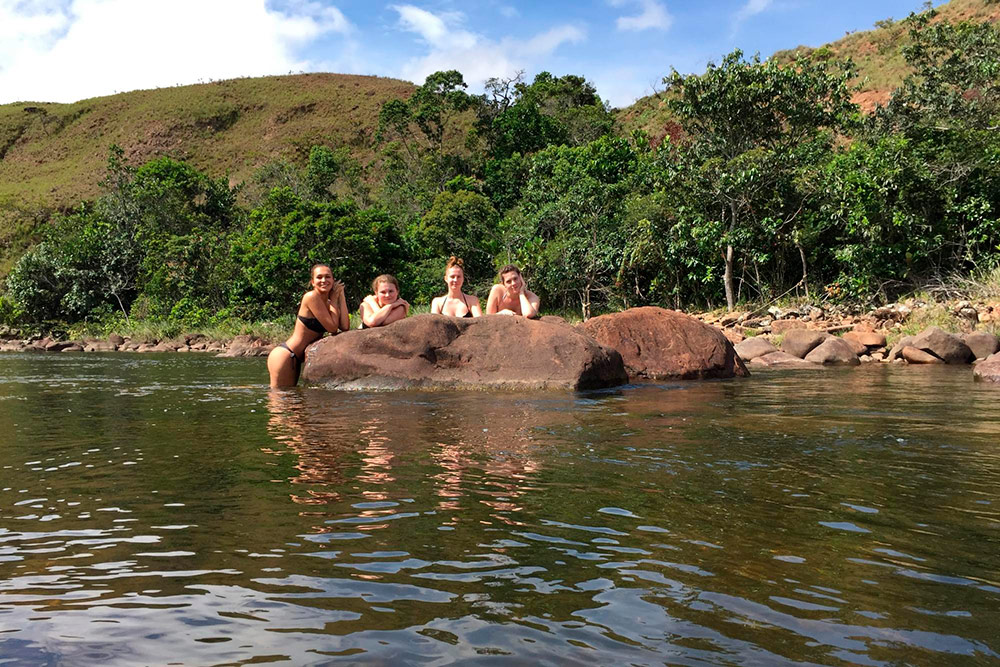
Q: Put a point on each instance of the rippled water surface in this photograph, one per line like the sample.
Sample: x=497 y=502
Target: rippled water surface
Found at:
x=171 y=509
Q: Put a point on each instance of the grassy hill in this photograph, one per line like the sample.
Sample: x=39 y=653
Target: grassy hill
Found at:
x=877 y=53
x=52 y=155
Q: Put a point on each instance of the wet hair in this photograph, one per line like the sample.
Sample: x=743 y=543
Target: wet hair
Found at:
x=454 y=261
x=384 y=278
x=507 y=268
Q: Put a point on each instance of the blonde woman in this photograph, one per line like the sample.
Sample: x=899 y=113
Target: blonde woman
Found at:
x=384 y=305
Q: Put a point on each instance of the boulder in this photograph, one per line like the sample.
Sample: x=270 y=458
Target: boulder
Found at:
x=800 y=342
x=833 y=352
x=869 y=339
x=988 y=370
x=945 y=346
x=662 y=344
x=915 y=355
x=432 y=351
x=779 y=359
x=116 y=340
x=752 y=348
x=59 y=345
x=982 y=343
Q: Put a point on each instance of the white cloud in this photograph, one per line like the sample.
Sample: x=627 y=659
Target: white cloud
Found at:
x=508 y=11
x=752 y=8
x=83 y=48
x=653 y=16
x=450 y=46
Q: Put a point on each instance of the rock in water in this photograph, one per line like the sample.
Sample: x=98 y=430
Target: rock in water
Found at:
x=988 y=370
x=434 y=351
x=780 y=359
x=662 y=344
x=833 y=352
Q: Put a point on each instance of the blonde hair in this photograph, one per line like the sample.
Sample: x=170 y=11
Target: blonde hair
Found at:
x=384 y=278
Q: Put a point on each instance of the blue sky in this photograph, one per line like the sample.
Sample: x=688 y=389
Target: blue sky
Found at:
x=65 y=50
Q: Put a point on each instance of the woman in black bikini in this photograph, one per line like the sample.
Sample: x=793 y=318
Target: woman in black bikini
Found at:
x=322 y=309
x=456 y=303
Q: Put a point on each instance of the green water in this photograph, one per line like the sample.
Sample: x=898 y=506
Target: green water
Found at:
x=172 y=510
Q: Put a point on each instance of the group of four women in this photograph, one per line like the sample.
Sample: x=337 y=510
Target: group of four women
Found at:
x=324 y=309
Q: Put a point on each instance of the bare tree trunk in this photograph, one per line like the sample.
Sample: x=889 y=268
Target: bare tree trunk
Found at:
x=585 y=302
x=805 y=273
x=728 y=278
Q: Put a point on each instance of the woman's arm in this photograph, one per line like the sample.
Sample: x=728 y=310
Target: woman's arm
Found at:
x=373 y=316
x=437 y=305
x=320 y=309
x=529 y=303
x=493 y=299
x=343 y=317
x=475 y=309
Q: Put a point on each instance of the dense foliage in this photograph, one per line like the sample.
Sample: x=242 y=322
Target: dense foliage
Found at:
x=775 y=183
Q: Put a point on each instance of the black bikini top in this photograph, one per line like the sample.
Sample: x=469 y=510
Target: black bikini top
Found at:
x=312 y=324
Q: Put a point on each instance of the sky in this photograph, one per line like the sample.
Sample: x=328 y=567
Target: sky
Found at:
x=67 y=50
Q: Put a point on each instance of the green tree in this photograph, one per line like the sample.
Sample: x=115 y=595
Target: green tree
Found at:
x=749 y=121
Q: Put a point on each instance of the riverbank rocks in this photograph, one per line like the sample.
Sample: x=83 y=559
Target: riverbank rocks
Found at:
x=833 y=352
x=495 y=352
x=800 y=342
x=945 y=346
x=914 y=355
x=661 y=344
x=982 y=343
x=751 y=348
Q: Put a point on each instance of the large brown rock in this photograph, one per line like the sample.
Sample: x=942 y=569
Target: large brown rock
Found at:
x=800 y=342
x=982 y=343
x=945 y=346
x=434 y=351
x=755 y=347
x=988 y=370
x=664 y=344
x=833 y=352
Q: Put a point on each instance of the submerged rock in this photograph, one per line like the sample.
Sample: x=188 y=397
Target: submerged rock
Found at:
x=662 y=344
x=434 y=351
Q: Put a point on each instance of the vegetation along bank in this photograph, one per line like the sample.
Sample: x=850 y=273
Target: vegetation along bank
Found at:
x=803 y=197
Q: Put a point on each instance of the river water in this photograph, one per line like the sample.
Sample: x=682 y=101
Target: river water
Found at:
x=172 y=510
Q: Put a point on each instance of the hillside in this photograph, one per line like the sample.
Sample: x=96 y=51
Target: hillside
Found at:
x=877 y=53
x=52 y=155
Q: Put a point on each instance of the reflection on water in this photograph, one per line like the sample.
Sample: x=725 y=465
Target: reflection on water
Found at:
x=172 y=509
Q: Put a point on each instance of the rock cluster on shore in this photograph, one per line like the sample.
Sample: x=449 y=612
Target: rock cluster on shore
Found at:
x=239 y=346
